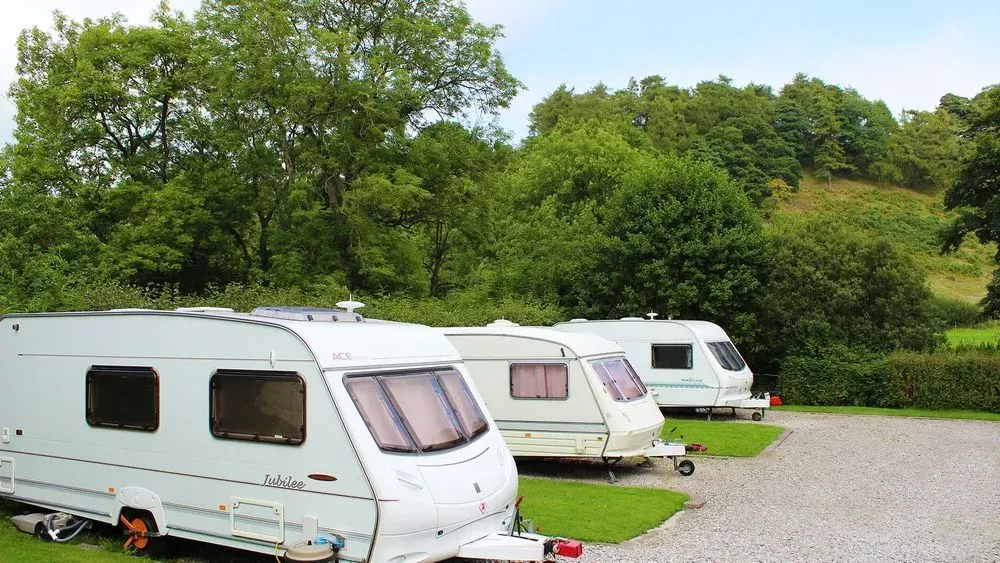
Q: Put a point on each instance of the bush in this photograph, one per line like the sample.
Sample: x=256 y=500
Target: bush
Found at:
x=954 y=312
x=946 y=380
x=841 y=376
x=836 y=376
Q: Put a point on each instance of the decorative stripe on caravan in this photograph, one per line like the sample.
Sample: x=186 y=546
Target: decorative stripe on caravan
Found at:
x=548 y=426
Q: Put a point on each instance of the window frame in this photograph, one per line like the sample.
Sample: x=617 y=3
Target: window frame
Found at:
x=257 y=374
x=612 y=385
x=690 y=358
x=729 y=353
x=146 y=372
x=510 y=374
x=400 y=418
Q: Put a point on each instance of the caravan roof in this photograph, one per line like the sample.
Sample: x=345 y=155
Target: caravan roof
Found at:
x=337 y=344
x=580 y=344
x=637 y=328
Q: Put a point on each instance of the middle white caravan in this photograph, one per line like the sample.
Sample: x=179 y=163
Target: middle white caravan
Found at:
x=556 y=394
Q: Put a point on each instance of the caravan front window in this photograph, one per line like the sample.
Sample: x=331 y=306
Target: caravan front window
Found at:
x=727 y=355
x=410 y=411
x=619 y=378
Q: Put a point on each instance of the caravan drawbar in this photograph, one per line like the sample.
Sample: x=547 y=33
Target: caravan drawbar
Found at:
x=276 y=432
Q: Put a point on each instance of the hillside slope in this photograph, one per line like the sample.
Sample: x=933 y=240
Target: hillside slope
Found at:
x=910 y=219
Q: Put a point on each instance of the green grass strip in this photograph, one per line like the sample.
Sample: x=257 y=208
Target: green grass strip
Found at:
x=594 y=512
x=737 y=439
x=922 y=413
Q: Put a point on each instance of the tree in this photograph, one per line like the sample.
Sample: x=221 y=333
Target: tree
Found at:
x=976 y=191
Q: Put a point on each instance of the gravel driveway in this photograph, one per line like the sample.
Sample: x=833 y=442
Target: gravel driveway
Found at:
x=838 y=488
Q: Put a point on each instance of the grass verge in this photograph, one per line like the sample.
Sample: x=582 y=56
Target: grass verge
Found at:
x=724 y=438
x=18 y=546
x=593 y=512
x=922 y=413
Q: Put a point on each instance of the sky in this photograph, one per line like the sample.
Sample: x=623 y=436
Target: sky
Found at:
x=906 y=53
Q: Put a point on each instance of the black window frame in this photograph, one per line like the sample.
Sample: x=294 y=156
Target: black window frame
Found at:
x=690 y=355
x=96 y=372
x=261 y=375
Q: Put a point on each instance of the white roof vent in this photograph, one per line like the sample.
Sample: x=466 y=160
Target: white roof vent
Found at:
x=350 y=305
x=578 y=320
x=204 y=310
x=307 y=314
x=502 y=322
x=652 y=315
x=631 y=318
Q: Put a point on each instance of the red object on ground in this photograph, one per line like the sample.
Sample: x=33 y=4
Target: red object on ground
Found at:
x=567 y=548
x=776 y=401
x=696 y=447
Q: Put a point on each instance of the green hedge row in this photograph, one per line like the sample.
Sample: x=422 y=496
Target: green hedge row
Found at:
x=850 y=377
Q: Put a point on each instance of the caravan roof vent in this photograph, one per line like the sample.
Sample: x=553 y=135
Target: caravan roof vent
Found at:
x=307 y=314
x=204 y=310
x=502 y=322
x=578 y=320
x=631 y=318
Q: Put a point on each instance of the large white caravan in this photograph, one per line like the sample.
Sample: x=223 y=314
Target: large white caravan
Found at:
x=684 y=363
x=555 y=394
x=263 y=431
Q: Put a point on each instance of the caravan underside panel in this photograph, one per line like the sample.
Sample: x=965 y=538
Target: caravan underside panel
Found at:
x=554 y=439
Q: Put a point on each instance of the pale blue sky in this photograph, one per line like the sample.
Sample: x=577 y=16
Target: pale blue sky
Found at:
x=905 y=53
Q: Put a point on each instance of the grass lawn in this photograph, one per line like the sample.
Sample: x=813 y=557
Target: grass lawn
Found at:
x=966 y=415
x=595 y=512
x=972 y=336
x=18 y=546
x=724 y=438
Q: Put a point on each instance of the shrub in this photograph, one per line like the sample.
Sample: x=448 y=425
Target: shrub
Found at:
x=946 y=380
x=838 y=375
x=954 y=312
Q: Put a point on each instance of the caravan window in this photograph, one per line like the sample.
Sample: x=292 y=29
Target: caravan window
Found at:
x=672 y=356
x=411 y=411
x=123 y=397
x=727 y=355
x=539 y=381
x=619 y=378
x=264 y=406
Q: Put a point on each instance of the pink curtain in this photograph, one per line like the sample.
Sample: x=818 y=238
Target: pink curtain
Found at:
x=531 y=381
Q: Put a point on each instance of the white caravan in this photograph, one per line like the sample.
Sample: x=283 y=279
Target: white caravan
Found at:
x=276 y=432
x=555 y=394
x=684 y=363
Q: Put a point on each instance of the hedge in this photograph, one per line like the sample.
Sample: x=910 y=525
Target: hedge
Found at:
x=852 y=377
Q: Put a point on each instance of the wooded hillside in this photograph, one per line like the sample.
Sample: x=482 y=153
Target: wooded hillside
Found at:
x=300 y=150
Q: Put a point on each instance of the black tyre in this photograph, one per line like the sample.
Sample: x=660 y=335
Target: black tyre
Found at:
x=757 y=416
x=685 y=467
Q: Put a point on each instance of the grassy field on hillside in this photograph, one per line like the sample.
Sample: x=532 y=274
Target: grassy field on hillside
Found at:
x=911 y=219
x=971 y=336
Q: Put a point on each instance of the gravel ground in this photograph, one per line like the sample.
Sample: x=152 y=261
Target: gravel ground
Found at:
x=838 y=488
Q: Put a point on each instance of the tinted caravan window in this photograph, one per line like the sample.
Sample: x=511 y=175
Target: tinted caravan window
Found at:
x=418 y=410
x=539 y=381
x=123 y=397
x=672 y=356
x=264 y=406
x=727 y=355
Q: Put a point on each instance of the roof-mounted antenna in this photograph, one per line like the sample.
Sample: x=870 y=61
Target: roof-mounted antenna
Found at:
x=350 y=305
x=652 y=315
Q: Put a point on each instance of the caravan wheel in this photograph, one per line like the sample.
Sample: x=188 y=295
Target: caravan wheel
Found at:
x=757 y=416
x=685 y=467
x=137 y=528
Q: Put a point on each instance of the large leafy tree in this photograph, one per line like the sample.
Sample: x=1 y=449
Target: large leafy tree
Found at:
x=976 y=191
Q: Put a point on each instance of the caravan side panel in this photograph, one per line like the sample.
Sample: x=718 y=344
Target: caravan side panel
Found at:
x=232 y=492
